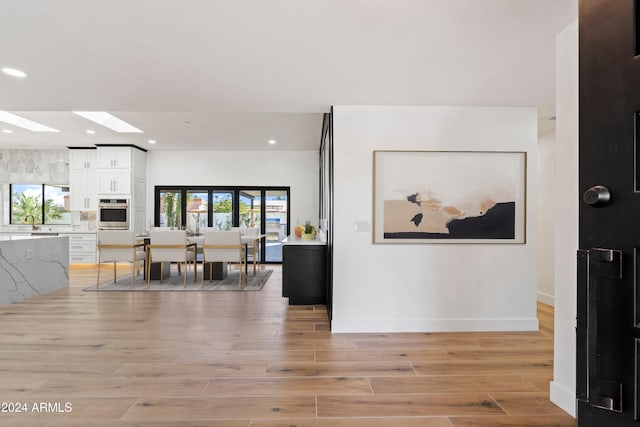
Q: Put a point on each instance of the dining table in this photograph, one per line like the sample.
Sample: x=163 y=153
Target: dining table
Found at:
x=246 y=239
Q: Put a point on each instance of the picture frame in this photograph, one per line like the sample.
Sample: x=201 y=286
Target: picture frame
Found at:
x=449 y=197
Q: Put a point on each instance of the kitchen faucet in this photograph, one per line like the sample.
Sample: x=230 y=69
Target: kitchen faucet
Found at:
x=33 y=221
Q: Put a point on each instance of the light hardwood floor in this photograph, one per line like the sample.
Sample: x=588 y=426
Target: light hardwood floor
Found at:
x=247 y=359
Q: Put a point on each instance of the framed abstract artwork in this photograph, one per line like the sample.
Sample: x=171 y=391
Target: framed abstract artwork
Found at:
x=449 y=197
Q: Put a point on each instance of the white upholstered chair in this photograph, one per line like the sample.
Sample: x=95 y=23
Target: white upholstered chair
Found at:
x=171 y=246
x=119 y=246
x=223 y=246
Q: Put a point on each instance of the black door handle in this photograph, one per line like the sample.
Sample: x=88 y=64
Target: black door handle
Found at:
x=601 y=387
x=597 y=196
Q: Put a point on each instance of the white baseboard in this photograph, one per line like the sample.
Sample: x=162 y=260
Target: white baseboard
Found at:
x=432 y=325
x=563 y=398
x=546 y=299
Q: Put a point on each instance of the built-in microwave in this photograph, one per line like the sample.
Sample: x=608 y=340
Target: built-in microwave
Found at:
x=113 y=214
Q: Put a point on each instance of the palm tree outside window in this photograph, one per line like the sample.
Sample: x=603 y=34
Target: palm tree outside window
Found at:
x=27 y=204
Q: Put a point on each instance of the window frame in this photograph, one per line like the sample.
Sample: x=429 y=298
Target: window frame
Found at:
x=42 y=203
x=209 y=189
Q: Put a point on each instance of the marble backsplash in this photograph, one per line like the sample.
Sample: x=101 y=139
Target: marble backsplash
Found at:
x=38 y=167
x=34 y=166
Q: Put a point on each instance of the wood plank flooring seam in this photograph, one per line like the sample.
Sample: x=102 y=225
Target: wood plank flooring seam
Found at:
x=498 y=403
x=160 y=343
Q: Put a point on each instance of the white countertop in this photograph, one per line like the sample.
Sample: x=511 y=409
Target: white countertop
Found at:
x=293 y=240
x=8 y=237
x=43 y=232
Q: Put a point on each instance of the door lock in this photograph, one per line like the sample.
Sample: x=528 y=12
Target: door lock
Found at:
x=597 y=196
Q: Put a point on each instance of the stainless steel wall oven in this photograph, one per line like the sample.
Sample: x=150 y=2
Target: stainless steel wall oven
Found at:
x=113 y=214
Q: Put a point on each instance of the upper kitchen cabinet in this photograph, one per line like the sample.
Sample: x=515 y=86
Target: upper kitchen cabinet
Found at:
x=114 y=157
x=82 y=159
x=119 y=168
x=82 y=179
x=111 y=182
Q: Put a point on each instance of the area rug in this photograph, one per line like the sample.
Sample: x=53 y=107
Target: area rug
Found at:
x=176 y=283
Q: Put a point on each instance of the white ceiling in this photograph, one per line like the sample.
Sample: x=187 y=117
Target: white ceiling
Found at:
x=231 y=74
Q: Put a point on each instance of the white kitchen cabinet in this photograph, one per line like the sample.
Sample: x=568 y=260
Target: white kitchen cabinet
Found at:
x=114 y=157
x=84 y=190
x=112 y=182
x=82 y=159
x=83 y=193
x=138 y=220
x=139 y=190
x=122 y=173
x=82 y=248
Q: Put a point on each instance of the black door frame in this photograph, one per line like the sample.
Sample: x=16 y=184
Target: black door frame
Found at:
x=236 y=203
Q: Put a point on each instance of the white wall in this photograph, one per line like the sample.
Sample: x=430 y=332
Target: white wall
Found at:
x=421 y=287
x=566 y=205
x=295 y=169
x=546 y=217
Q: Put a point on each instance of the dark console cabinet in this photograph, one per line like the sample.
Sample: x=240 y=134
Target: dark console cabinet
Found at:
x=303 y=274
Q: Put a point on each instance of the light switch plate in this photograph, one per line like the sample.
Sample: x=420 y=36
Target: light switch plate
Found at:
x=362 y=226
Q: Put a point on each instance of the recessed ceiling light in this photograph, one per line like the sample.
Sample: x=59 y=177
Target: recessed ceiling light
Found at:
x=272 y=141
x=152 y=141
x=90 y=131
x=21 y=122
x=7 y=131
x=13 y=72
x=107 y=120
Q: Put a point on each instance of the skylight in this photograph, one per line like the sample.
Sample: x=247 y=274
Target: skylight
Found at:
x=14 y=72
x=21 y=122
x=107 y=120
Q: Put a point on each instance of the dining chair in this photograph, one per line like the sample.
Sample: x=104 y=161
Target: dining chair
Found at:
x=223 y=246
x=171 y=246
x=119 y=246
x=250 y=235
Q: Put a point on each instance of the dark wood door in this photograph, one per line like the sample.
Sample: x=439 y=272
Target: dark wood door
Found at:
x=608 y=324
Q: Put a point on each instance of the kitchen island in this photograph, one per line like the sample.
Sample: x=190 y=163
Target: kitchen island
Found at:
x=303 y=270
x=32 y=265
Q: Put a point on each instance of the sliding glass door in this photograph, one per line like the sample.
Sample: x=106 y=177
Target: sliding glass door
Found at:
x=197 y=210
x=168 y=208
x=250 y=208
x=276 y=223
x=222 y=212
x=196 y=207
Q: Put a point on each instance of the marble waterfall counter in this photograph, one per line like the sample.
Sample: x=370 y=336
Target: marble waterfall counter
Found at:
x=32 y=265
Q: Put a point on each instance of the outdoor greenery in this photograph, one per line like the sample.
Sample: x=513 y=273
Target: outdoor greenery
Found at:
x=172 y=208
x=222 y=213
x=23 y=206
x=223 y=205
